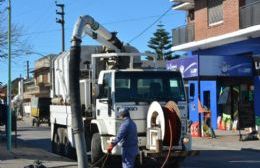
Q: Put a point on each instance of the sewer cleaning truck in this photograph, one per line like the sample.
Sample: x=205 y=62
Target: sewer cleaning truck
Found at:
x=111 y=77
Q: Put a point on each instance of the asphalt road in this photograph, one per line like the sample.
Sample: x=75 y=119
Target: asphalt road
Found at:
x=35 y=137
x=225 y=151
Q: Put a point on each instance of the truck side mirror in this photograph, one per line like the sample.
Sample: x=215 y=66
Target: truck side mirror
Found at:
x=192 y=90
x=109 y=101
x=96 y=90
x=109 y=97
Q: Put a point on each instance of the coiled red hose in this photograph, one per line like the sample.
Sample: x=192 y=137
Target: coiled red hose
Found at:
x=172 y=116
x=173 y=130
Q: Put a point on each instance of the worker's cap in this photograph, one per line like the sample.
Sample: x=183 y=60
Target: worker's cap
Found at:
x=123 y=112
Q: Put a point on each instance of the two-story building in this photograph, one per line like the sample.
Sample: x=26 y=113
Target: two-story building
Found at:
x=222 y=38
x=40 y=84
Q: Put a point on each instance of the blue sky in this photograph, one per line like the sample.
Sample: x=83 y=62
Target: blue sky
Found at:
x=128 y=18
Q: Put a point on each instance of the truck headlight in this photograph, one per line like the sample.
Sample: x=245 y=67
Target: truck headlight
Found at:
x=186 y=140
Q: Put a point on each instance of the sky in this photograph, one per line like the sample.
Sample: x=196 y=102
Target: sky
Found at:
x=128 y=18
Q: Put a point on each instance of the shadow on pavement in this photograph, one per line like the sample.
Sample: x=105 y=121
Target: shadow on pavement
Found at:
x=244 y=158
x=44 y=144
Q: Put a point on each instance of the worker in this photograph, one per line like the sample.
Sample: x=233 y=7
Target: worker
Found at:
x=127 y=136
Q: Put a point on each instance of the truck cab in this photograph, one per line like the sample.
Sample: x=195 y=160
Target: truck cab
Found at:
x=135 y=90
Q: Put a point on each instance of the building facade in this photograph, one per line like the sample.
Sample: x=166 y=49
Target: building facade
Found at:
x=40 y=84
x=223 y=36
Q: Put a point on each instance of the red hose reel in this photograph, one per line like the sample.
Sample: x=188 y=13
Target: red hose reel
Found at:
x=161 y=117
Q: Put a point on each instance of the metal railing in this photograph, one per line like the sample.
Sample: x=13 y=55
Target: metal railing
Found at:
x=183 y=34
x=249 y=15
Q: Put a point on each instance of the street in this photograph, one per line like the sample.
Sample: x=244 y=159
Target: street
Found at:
x=224 y=151
x=32 y=144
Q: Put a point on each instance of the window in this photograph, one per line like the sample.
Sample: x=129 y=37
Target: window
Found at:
x=175 y=90
x=215 y=11
x=123 y=88
x=41 y=79
x=105 y=86
x=148 y=86
x=191 y=15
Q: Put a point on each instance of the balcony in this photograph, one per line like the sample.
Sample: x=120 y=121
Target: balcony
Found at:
x=249 y=15
x=39 y=91
x=183 y=34
x=183 y=4
x=249 y=27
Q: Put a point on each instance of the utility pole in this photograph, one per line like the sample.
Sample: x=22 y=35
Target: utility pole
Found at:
x=27 y=69
x=9 y=114
x=62 y=22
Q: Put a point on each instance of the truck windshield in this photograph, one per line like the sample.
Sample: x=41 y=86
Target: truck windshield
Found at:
x=147 y=86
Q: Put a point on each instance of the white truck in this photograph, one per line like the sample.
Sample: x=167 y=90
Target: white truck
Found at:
x=111 y=78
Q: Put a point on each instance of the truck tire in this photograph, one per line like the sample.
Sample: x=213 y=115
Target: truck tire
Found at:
x=69 y=151
x=33 y=122
x=57 y=146
x=54 y=143
x=96 y=150
x=38 y=122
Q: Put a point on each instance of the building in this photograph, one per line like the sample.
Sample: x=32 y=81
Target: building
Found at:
x=40 y=84
x=222 y=38
x=14 y=88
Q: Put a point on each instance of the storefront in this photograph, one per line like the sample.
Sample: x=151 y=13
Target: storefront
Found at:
x=225 y=83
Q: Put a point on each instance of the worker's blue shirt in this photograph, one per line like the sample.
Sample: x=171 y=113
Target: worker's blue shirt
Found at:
x=127 y=134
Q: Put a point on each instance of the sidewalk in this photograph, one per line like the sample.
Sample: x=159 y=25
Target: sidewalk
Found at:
x=24 y=156
x=225 y=140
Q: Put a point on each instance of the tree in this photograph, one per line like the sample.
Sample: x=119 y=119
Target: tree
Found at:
x=161 y=43
x=19 y=45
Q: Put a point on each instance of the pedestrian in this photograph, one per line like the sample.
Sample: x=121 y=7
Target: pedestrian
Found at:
x=207 y=121
x=127 y=136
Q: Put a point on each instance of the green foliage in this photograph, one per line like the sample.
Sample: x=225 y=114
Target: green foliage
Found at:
x=161 y=43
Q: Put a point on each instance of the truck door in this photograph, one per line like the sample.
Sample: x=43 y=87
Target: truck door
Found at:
x=104 y=101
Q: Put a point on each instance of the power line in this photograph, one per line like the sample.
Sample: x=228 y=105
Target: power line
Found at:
x=104 y=23
x=131 y=19
x=40 y=32
x=147 y=28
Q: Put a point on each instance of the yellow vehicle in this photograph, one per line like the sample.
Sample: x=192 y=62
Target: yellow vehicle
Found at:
x=40 y=110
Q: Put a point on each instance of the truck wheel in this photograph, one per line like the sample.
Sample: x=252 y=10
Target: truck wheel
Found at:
x=58 y=147
x=33 y=122
x=38 y=122
x=54 y=143
x=96 y=150
x=69 y=151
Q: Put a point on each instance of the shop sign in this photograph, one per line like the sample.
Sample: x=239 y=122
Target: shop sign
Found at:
x=187 y=66
x=239 y=66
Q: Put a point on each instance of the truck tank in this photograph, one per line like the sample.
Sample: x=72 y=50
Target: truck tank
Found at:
x=61 y=67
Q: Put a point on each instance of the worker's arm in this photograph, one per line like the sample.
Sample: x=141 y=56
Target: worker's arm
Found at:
x=121 y=134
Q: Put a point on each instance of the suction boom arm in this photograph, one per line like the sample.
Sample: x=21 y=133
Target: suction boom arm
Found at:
x=86 y=25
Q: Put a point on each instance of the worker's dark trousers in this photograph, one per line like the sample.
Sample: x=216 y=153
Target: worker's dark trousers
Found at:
x=128 y=156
